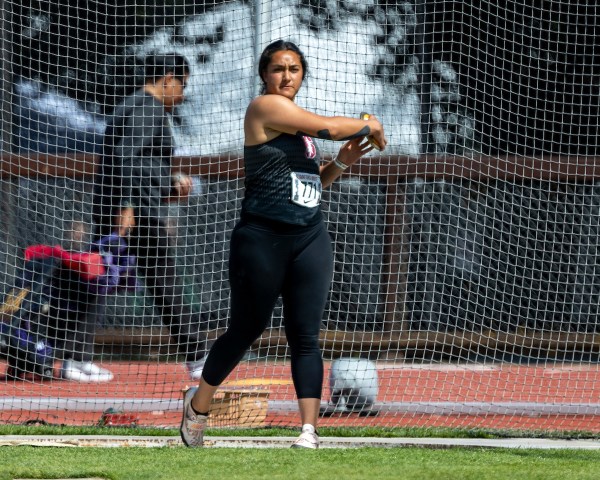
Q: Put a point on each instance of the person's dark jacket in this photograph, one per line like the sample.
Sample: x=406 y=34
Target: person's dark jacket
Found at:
x=135 y=167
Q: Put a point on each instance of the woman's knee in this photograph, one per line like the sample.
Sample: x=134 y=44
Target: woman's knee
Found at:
x=304 y=344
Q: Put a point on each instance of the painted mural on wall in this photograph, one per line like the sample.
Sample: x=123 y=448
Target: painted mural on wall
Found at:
x=353 y=50
x=446 y=77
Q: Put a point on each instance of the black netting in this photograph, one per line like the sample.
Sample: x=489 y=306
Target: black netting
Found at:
x=503 y=256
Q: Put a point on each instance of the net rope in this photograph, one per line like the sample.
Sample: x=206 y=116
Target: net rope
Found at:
x=465 y=290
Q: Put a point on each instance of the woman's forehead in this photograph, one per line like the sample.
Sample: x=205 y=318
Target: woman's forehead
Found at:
x=285 y=57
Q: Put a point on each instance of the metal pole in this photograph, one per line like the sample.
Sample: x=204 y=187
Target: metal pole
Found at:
x=423 y=40
x=5 y=58
x=262 y=20
x=8 y=187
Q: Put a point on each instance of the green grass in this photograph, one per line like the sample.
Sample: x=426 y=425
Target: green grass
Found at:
x=165 y=463
x=176 y=463
x=377 y=432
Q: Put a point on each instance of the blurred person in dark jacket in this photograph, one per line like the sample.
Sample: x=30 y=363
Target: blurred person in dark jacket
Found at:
x=134 y=185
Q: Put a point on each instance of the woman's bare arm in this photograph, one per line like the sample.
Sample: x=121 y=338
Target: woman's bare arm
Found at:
x=269 y=115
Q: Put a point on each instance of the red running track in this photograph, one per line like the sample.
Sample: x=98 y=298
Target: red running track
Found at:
x=506 y=396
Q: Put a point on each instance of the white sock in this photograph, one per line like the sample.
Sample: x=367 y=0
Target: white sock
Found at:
x=307 y=427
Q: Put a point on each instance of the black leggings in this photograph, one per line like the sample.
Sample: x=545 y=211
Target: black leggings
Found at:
x=267 y=261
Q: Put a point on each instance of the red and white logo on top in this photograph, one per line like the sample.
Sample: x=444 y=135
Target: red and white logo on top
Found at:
x=310 y=147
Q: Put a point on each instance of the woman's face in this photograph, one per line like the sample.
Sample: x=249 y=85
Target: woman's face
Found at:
x=283 y=75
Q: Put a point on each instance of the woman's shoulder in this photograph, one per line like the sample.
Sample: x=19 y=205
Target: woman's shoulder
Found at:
x=268 y=100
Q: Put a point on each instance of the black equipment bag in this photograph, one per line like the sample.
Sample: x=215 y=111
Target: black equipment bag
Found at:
x=24 y=321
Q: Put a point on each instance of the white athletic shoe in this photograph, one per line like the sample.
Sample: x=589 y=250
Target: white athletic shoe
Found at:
x=195 y=368
x=192 y=425
x=84 y=372
x=308 y=438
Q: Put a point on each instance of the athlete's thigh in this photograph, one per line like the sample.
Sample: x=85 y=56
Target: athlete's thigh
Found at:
x=308 y=282
x=256 y=272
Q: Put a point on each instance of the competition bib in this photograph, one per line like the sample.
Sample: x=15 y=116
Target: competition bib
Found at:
x=306 y=189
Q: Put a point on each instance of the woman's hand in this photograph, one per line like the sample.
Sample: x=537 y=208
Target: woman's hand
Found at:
x=349 y=154
x=354 y=149
x=377 y=133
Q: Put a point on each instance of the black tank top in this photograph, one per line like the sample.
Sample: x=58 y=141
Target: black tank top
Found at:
x=282 y=180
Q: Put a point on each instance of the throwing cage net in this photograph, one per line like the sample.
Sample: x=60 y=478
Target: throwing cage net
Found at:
x=466 y=282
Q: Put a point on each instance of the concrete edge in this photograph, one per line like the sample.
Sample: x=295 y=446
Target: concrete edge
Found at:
x=108 y=441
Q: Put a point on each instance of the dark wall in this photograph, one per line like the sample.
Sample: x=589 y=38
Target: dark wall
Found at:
x=528 y=71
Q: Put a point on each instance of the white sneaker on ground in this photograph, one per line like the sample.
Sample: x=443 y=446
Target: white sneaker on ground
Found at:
x=192 y=424
x=308 y=438
x=84 y=372
x=195 y=368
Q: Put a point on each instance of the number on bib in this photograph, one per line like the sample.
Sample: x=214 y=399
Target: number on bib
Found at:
x=306 y=189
